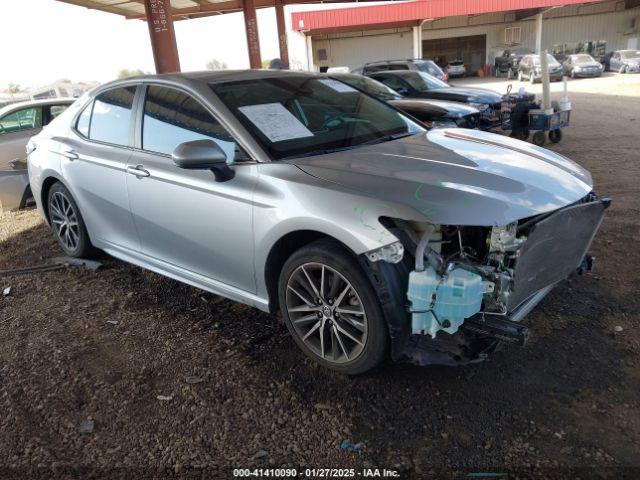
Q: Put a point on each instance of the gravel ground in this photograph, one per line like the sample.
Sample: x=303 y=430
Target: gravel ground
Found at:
x=123 y=373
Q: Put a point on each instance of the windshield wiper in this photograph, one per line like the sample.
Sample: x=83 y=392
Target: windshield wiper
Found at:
x=325 y=151
x=386 y=138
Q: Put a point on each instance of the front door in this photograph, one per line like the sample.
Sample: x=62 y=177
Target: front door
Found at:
x=184 y=217
x=15 y=130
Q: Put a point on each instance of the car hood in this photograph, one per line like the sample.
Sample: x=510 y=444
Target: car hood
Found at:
x=456 y=176
x=435 y=107
x=466 y=94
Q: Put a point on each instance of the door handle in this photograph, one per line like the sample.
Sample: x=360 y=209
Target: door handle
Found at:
x=69 y=154
x=138 y=171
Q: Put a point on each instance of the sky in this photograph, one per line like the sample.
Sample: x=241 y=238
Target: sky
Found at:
x=53 y=40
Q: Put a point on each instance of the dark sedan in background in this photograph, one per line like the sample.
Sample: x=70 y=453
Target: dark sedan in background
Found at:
x=582 y=65
x=422 y=85
x=433 y=113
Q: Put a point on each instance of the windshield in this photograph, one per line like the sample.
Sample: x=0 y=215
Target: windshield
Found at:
x=550 y=60
x=423 y=81
x=630 y=54
x=299 y=115
x=371 y=87
x=429 y=67
x=583 y=59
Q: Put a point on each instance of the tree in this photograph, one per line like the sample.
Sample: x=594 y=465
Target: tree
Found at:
x=216 y=65
x=13 y=88
x=265 y=63
x=125 y=73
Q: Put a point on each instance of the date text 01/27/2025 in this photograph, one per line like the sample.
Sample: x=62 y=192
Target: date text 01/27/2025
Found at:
x=315 y=473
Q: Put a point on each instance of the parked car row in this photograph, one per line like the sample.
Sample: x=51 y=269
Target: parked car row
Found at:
x=298 y=192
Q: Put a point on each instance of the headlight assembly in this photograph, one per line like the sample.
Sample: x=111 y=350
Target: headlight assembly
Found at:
x=391 y=253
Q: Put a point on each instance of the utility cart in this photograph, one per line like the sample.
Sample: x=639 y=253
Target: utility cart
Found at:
x=529 y=118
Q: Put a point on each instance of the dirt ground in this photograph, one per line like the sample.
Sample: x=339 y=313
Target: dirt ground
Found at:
x=122 y=373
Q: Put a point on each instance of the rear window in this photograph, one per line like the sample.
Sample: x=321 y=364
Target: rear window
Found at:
x=398 y=66
x=111 y=116
x=429 y=67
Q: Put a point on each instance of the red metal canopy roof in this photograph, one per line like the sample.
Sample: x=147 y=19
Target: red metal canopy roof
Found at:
x=411 y=13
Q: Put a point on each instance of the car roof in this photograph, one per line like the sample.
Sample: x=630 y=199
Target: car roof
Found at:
x=410 y=60
x=206 y=76
x=400 y=73
x=12 y=107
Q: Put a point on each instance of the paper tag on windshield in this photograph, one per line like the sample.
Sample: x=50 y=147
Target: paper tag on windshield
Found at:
x=275 y=121
x=337 y=86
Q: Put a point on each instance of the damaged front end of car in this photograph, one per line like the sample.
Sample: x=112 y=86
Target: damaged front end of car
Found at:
x=452 y=293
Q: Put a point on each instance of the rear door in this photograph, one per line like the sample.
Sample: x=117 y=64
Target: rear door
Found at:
x=184 y=217
x=93 y=159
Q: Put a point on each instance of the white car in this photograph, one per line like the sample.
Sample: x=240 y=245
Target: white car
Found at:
x=456 y=68
x=18 y=123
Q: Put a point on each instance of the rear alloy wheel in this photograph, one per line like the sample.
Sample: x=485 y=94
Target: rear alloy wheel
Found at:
x=331 y=309
x=67 y=223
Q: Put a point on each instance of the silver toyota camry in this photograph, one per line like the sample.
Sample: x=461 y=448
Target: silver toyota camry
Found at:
x=296 y=192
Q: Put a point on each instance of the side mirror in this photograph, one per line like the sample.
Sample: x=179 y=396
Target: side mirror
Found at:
x=203 y=155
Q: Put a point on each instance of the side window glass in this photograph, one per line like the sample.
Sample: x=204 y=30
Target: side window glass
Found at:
x=111 y=116
x=25 y=119
x=398 y=66
x=172 y=117
x=82 y=125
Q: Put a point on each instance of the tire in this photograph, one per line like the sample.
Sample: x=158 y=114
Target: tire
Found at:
x=365 y=343
x=532 y=78
x=627 y=69
x=539 y=138
x=519 y=76
x=555 y=135
x=573 y=74
x=67 y=223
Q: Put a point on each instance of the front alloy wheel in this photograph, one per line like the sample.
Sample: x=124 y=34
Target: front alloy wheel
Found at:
x=326 y=313
x=332 y=309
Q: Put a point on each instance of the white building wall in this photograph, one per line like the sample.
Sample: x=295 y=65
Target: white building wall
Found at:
x=355 y=50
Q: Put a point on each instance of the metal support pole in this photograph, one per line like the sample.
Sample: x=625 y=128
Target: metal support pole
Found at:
x=539 y=33
x=282 y=32
x=162 y=35
x=417 y=41
x=251 y=29
x=310 y=65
